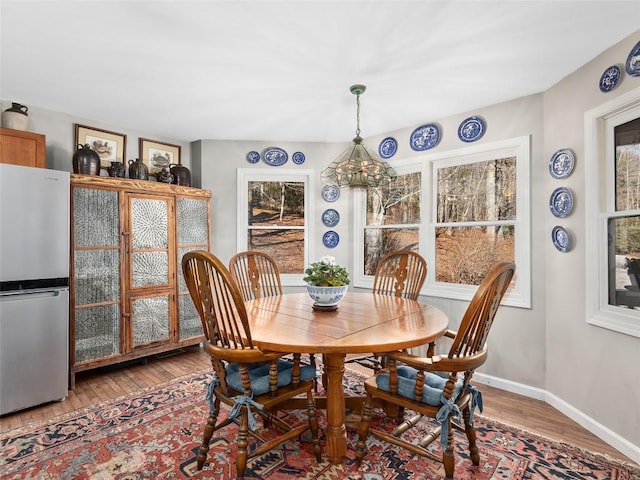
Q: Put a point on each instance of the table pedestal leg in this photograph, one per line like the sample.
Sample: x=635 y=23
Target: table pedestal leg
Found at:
x=336 y=430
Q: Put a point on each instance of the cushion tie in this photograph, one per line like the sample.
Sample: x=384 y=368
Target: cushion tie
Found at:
x=442 y=417
x=210 y=393
x=247 y=401
x=476 y=400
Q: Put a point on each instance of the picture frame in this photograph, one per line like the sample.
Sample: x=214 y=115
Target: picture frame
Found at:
x=156 y=155
x=110 y=146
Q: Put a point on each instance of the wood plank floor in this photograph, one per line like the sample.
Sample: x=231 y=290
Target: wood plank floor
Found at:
x=107 y=383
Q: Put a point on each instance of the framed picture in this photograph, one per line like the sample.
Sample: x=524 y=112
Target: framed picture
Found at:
x=157 y=155
x=111 y=146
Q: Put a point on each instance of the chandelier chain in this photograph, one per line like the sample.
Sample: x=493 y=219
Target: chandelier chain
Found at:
x=357 y=115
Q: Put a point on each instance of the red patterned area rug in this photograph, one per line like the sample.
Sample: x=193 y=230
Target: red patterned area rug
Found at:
x=155 y=434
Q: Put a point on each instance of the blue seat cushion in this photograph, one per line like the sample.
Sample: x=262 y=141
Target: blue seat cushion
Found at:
x=259 y=375
x=433 y=385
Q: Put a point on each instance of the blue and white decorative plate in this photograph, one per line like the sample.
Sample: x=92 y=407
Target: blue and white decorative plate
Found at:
x=298 y=158
x=388 y=147
x=274 y=156
x=330 y=193
x=561 y=239
x=253 y=157
x=610 y=78
x=633 y=61
x=425 y=137
x=562 y=163
x=471 y=129
x=330 y=239
x=561 y=202
x=330 y=217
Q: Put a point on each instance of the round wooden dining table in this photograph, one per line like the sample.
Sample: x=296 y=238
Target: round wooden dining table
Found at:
x=363 y=323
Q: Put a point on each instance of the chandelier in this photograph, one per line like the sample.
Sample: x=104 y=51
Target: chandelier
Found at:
x=356 y=166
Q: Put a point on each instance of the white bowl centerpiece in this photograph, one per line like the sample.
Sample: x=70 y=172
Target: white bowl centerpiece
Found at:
x=327 y=283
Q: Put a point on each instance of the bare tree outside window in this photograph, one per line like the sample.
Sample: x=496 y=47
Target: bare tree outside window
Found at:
x=393 y=218
x=276 y=222
x=475 y=219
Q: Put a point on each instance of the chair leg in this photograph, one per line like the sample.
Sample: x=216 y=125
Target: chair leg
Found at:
x=242 y=441
x=363 y=431
x=447 y=453
x=313 y=425
x=208 y=432
x=471 y=436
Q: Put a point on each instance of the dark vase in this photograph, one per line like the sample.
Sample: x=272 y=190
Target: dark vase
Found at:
x=116 y=169
x=138 y=170
x=86 y=161
x=181 y=175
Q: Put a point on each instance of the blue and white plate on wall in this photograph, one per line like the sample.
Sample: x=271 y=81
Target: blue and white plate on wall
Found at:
x=610 y=78
x=561 y=239
x=561 y=202
x=274 y=156
x=632 y=66
x=425 y=137
x=330 y=217
x=471 y=129
x=388 y=147
x=562 y=163
x=330 y=193
x=253 y=157
x=298 y=158
x=330 y=239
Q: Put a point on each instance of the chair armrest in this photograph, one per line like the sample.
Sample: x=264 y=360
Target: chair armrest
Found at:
x=441 y=363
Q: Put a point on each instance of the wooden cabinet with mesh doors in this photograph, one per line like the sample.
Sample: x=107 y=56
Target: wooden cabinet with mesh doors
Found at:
x=127 y=292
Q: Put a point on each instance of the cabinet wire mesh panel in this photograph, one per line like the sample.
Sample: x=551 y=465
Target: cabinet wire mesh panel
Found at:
x=150 y=265
x=96 y=268
x=193 y=234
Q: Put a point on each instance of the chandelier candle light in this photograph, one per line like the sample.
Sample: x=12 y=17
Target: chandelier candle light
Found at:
x=356 y=166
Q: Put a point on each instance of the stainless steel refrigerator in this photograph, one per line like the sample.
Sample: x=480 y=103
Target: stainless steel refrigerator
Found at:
x=34 y=286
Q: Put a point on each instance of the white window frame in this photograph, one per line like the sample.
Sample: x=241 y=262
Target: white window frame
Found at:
x=246 y=175
x=358 y=278
x=599 y=164
x=519 y=147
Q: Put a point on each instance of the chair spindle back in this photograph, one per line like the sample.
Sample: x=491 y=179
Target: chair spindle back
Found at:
x=401 y=274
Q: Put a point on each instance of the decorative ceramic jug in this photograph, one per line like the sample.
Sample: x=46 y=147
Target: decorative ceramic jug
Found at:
x=181 y=175
x=86 y=161
x=16 y=117
x=116 y=169
x=164 y=176
x=138 y=170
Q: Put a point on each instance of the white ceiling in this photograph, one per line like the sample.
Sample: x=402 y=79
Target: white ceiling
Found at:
x=281 y=70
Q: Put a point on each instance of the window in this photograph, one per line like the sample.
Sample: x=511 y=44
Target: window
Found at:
x=477 y=200
x=480 y=216
x=275 y=209
x=613 y=214
x=390 y=220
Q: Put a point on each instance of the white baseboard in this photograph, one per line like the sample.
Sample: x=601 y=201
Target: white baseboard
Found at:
x=621 y=444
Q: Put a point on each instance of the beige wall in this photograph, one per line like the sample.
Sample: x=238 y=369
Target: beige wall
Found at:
x=595 y=370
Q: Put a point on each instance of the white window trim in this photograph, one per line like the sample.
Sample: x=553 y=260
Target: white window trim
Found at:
x=358 y=278
x=246 y=175
x=520 y=147
x=599 y=145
